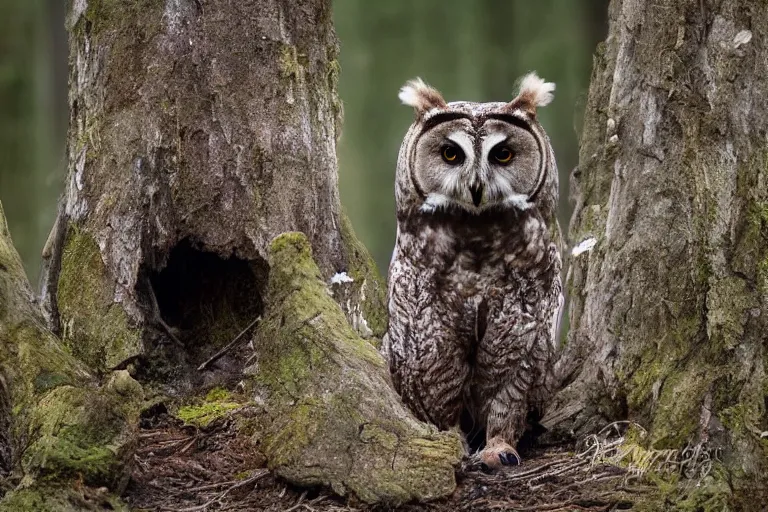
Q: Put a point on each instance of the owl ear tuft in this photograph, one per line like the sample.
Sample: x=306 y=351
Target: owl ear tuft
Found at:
x=421 y=96
x=534 y=92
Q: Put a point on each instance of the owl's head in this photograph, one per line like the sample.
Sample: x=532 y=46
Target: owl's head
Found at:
x=477 y=156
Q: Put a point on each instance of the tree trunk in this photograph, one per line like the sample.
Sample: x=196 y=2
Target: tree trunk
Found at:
x=670 y=308
x=56 y=425
x=199 y=132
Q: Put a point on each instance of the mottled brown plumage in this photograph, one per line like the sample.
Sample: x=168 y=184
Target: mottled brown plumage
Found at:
x=474 y=283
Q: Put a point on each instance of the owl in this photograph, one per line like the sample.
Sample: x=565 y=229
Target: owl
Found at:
x=474 y=285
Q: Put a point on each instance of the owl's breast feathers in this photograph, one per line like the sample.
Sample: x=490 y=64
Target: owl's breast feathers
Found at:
x=481 y=268
x=492 y=245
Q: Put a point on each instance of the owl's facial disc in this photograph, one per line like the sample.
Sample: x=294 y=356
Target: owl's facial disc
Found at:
x=476 y=166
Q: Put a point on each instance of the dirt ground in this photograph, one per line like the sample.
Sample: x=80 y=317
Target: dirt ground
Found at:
x=180 y=468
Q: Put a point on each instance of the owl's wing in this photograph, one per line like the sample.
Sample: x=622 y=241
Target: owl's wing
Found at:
x=395 y=273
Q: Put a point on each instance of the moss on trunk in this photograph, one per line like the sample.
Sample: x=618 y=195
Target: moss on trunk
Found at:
x=332 y=417
x=94 y=326
x=669 y=310
x=57 y=425
x=60 y=499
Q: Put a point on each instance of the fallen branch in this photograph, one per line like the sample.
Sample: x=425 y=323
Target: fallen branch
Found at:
x=253 y=478
x=229 y=345
x=157 y=317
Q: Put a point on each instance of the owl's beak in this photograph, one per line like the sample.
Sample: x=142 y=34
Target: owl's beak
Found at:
x=477 y=193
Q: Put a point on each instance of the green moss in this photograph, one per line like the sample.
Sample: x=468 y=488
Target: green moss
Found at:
x=202 y=415
x=728 y=305
x=737 y=417
x=96 y=328
x=297 y=281
x=217 y=404
x=305 y=418
x=40 y=363
x=658 y=360
x=114 y=14
x=713 y=494
x=592 y=222
x=59 y=499
x=762 y=273
x=373 y=433
x=676 y=419
x=84 y=432
x=289 y=62
x=217 y=395
x=47 y=380
x=667 y=488
x=67 y=427
x=754 y=246
x=334 y=72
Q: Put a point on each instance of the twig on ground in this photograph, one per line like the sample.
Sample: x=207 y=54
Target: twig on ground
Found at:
x=253 y=478
x=229 y=345
x=156 y=314
x=189 y=445
x=298 y=504
x=212 y=486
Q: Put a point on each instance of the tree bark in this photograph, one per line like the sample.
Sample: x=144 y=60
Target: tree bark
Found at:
x=670 y=308
x=199 y=132
x=205 y=127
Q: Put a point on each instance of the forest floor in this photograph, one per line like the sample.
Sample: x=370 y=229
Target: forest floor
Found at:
x=182 y=468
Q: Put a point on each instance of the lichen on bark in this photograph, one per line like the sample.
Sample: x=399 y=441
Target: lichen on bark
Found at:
x=332 y=417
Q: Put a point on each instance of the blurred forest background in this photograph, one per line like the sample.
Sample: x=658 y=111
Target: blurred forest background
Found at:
x=469 y=49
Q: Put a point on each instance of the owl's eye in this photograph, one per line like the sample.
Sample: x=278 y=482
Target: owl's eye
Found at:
x=452 y=154
x=502 y=155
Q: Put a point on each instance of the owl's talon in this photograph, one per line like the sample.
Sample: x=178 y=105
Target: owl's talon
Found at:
x=498 y=454
x=509 y=459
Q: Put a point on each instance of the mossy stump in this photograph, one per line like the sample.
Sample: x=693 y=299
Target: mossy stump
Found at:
x=332 y=417
x=56 y=426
